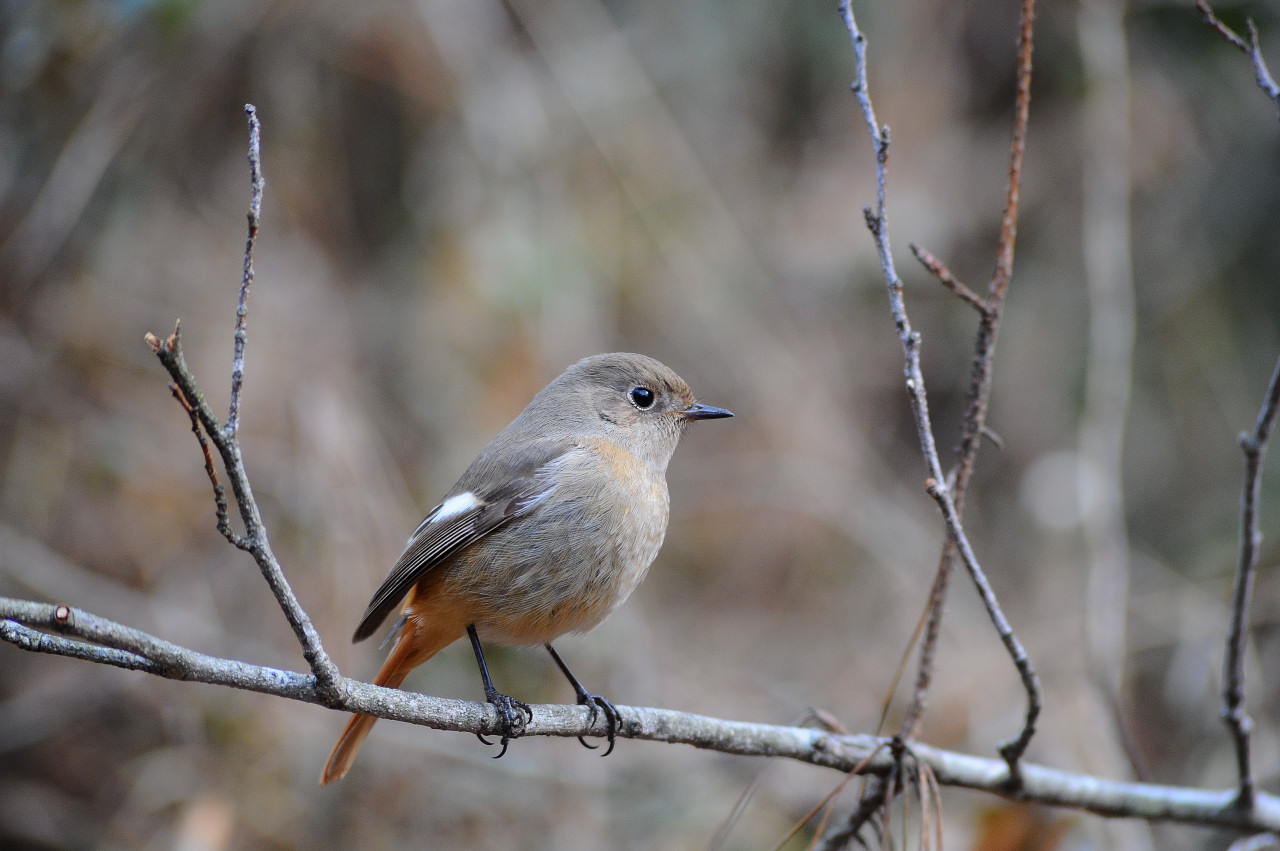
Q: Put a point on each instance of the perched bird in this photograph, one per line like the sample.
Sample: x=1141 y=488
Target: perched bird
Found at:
x=548 y=530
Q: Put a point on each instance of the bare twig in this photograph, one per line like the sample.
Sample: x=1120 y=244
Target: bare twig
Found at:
x=939 y=270
x=1254 y=446
x=979 y=394
x=1249 y=48
x=1013 y=749
x=219 y=492
x=877 y=223
x=1237 y=719
x=246 y=281
x=226 y=440
x=825 y=806
x=873 y=806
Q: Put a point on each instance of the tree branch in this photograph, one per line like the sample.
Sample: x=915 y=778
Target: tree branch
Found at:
x=979 y=396
x=226 y=441
x=1234 y=715
x=939 y=270
x=950 y=499
x=1250 y=48
x=1254 y=446
x=78 y=634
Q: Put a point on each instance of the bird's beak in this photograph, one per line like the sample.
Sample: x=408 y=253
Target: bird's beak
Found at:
x=699 y=411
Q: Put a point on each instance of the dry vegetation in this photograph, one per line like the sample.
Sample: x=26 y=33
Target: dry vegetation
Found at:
x=463 y=197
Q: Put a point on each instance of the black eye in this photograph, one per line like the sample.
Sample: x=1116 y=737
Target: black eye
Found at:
x=641 y=397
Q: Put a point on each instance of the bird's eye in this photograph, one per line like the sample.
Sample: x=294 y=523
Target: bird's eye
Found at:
x=641 y=397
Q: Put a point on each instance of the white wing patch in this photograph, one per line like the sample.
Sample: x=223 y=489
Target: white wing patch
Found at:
x=451 y=507
x=456 y=505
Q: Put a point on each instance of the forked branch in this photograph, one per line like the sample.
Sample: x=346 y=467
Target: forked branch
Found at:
x=226 y=440
x=950 y=498
x=1254 y=445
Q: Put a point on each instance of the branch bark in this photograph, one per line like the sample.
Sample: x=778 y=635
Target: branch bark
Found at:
x=64 y=631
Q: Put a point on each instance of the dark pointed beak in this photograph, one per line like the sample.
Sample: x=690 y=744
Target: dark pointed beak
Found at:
x=699 y=411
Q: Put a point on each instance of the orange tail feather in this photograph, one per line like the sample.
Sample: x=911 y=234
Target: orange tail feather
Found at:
x=417 y=643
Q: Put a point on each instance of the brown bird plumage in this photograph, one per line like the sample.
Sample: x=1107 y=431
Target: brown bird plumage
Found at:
x=551 y=527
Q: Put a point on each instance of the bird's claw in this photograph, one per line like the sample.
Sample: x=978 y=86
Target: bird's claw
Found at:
x=513 y=715
x=595 y=705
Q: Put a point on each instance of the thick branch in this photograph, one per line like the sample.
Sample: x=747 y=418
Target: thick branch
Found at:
x=81 y=635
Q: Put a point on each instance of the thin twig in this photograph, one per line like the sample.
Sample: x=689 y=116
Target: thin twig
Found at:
x=221 y=508
x=939 y=270
x=1250 y=48
x=980 y=386
x=1238 y=722
x=1013 y=749
x=877 y=223
x=1254 y=446
x=825 y=806
x=874 y=801
x=256 y=184
x=226 y=440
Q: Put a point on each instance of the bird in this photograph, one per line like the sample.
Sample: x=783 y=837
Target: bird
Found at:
x=549 y=529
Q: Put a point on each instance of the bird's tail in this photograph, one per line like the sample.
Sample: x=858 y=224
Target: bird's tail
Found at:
x=417 y=643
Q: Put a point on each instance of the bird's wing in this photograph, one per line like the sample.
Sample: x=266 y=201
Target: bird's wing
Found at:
x=464 y=518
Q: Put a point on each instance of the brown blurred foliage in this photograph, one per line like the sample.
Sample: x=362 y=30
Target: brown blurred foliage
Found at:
x=464 y=196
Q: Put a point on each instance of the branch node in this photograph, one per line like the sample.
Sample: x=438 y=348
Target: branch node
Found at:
x=1012 y=755
x=1252 y=48
x=873 y=220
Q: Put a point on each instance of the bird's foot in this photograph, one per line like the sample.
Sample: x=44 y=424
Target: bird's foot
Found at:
x=597 y=704
x=513 y=714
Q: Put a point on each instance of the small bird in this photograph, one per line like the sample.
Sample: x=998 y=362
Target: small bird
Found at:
x=552 y=527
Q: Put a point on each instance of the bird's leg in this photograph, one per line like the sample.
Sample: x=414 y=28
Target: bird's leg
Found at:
x=594 y=702
x=509 y=709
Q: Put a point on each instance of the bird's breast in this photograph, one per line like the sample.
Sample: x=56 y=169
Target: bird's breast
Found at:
x=576 y=557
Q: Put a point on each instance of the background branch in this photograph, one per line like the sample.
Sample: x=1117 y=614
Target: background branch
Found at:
x=1250 y=48
x=976 y=415
x=950 y=499
x=1254 y=445
x=1098 y=483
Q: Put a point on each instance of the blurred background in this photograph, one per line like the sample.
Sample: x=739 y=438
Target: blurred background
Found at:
x=464 y=197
